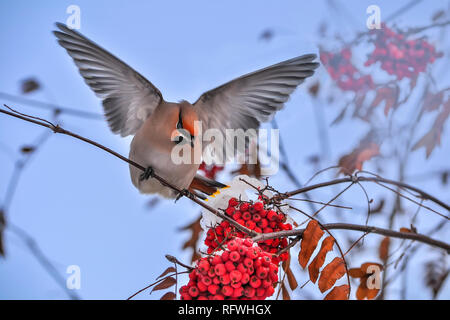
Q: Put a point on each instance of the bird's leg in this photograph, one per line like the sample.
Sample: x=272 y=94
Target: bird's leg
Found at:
x=185 y=193
x=148 y=173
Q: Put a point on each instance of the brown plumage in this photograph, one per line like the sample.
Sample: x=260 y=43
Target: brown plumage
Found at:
x=134 y=106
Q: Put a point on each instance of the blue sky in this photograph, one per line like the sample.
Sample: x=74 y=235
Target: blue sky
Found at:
x=77 y=201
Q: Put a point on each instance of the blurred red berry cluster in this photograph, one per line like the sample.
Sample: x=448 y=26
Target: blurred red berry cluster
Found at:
x=241 y=272
x=210 y=170
x=400 y=56
x=255 y=216
x=341 y=69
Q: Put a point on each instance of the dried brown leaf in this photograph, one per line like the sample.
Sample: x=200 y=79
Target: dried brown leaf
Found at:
x=317 y=263
x=331 y=273
x=338 y=293
x=167 y=271
x=168 y=296
x=166 y=283
x=383 y=250
x=309 y=242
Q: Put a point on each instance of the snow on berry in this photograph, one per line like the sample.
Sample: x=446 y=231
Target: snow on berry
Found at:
x=258 y=217
x=255 y=215
x=242 y=271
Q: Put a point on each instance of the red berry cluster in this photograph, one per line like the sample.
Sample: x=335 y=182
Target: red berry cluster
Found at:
x=241 y=272
x=341 y=70
x=255 y=216
x=399 y=56
x=210 y=170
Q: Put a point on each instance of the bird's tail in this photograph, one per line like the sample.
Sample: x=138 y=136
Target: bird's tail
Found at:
x=205 y=186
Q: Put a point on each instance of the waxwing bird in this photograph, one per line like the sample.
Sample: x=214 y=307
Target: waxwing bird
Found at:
x=134 y=106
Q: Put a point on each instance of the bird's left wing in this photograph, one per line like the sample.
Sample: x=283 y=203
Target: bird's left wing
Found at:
x=128 y=98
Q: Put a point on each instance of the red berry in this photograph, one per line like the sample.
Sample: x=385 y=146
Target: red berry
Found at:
x=262 y=272
x=216 y=260
x=256 y=217
x=272 y=215
x=225 y=256
x=230 y=211
x=261 y=292
x=203 y=266
x=249 y=292
x=219 y=269
x=235 y=256
x=193 y=291
x=213 y=288
x=201 y=286
x=255 y=282
x=250 y=224
x=225 y=279
x=242 y=268
x=244 y=207
x=235 y=276
x=207 y=281
x=237 y=215
x=237 y=292
x=245 y=278
x=227 y=291
x=246 y=215
x=232 y=202
x=258 y=206
x=229 y=265
x=269 y=291
x=247 y=261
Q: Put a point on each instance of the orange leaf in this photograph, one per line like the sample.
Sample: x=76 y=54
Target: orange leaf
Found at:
x=363 y=292
x=316 y=264
x=356 y=273
x=311 y=238
x=405 y=230
x=289 y=274
x=338 y=293
x=331 y=273
x=366 y=265
x=168 y=296
x=383 y=251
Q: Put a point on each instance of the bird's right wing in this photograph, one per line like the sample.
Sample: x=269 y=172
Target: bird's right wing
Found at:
x=247 y=101
x=128 y=98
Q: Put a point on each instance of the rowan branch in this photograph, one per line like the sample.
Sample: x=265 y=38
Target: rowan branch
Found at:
x=367 y=229
x=164 y=182
x=423 y=195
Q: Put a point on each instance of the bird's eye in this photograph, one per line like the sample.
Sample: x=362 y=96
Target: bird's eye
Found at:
x=178 y=139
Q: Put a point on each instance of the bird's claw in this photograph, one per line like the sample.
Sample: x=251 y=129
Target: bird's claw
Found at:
x=185 y=193
x=148 y=173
